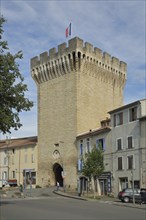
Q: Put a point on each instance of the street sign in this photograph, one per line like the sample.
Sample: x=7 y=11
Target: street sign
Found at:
x=28 y=170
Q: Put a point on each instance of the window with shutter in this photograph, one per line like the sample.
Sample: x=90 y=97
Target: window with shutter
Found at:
x=132 y=114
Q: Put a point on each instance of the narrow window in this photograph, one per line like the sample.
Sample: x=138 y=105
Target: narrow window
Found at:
x=120 y=118
x=115 y=120
x=120 y=167
x=119 y=144
x=130 y=144
x=5 y=175
x=74 y=59
x=88 y=145
x=13 y=174
x=130 y=162
x=81 y=147
x=100 y=143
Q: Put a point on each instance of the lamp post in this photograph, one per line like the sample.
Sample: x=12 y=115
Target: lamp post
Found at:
x=133 y=186
x=7 y=143
x=63 y=174
x=132 y=175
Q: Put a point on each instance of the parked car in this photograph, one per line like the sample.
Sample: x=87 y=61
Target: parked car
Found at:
x=126 y=195
x=141 y=197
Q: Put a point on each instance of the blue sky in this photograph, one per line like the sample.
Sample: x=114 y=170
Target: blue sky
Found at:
x=116 y=27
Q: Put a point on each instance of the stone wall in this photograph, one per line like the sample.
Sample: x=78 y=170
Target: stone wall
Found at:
x=77 y=86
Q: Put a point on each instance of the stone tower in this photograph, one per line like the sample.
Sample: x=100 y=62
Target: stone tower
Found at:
x=77 y=85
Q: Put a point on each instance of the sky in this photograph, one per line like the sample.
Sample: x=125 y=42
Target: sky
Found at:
x=117 y=27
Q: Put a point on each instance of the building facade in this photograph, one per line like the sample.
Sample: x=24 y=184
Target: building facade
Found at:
x=128 y=139
x=18 y=160
x=124 y=149
x=143 y=149
x=85 y=143
x=77 y=85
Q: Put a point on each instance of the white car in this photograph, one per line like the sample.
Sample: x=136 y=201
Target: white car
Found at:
x=4 y=183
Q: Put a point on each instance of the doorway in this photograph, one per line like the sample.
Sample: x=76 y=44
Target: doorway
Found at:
x=57 y=169
x=83 y=184
x=123 y=183
x=103 y=186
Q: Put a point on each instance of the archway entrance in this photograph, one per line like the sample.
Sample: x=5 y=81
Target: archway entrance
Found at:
x=57 y=169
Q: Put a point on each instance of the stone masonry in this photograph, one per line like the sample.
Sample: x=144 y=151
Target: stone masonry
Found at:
x=77 y=85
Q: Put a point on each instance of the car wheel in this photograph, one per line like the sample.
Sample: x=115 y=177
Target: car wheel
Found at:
x=126 y=199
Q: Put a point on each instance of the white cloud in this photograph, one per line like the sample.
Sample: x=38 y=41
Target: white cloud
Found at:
x=16 y=11
x=117 y=27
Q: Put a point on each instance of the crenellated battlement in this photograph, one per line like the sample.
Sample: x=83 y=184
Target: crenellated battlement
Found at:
x=77 y=85
x=73 y=58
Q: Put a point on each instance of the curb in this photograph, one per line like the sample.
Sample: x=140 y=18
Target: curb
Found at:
x=69 y=196
x=130 y=205
x=101 y=201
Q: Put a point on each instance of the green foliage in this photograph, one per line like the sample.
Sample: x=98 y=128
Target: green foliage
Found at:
x=12 y=88
x=38 y=186
x=93 y=165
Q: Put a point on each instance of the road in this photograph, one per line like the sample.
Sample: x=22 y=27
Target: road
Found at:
x=60 y=208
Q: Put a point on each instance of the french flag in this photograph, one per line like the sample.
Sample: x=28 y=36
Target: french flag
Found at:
x=68 y=30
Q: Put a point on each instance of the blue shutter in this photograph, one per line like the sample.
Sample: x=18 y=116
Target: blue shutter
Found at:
x=97 y=143
x=81 y=149
x=104 y=147
x=79 y=167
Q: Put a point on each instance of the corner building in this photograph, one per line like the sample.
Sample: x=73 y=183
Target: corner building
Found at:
x=77 y=85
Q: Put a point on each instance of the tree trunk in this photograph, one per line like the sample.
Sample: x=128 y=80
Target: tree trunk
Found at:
x=93 y=186
x=98 y=187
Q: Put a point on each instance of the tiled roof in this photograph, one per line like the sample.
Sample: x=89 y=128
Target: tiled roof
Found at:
x=19 y=142
x=93 y=132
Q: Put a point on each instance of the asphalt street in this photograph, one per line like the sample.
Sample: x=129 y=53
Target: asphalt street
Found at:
x=61 y=208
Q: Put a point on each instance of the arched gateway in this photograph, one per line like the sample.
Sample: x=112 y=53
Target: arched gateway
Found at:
x=57 y=169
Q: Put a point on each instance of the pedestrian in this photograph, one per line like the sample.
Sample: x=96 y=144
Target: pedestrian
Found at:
x=58 y=185
x=21 y=188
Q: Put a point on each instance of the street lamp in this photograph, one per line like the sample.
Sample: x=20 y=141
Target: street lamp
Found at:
x=7 y=143
x=132 y=175
x=63 y=174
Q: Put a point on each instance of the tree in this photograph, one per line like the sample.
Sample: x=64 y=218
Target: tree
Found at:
x=12 y=88
x=93 y=165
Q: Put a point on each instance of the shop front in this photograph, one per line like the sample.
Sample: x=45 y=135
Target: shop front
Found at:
x=105 y=183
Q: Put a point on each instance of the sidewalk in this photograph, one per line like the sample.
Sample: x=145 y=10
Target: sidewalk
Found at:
x=102 y=199
x=14 y=193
